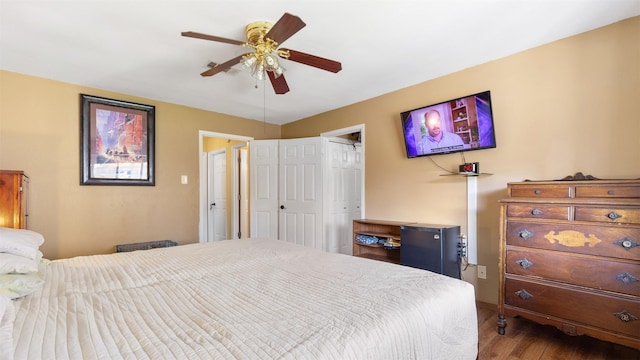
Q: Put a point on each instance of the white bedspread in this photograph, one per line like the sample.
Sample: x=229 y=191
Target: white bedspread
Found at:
x=244 y=299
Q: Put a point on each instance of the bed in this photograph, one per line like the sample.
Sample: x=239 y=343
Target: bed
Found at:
x=242 y=299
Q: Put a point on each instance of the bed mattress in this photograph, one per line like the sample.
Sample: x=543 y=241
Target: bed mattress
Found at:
x=243 y=299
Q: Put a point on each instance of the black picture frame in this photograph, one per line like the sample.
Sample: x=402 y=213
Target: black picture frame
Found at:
x=117 y=142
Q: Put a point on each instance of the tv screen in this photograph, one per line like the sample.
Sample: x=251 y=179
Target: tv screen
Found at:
x=462 y=124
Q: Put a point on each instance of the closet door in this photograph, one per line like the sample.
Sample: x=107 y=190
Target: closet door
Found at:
x=309 y=193
x=343 y=193
x=337 y=213
x=263 y=183
x=353 y=180
x=301 y=191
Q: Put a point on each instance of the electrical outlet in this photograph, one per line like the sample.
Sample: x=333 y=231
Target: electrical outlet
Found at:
x=482 y=272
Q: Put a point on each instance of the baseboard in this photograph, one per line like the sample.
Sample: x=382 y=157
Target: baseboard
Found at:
x=486 y=305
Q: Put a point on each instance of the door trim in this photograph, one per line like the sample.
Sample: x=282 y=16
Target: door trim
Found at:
x=236 y=187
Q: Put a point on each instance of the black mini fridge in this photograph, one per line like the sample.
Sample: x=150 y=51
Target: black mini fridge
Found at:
x=431 y=247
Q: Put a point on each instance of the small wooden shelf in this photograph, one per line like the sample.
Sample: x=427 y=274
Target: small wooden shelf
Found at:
x=370 y=245
x=380 y=229
x=380 y=235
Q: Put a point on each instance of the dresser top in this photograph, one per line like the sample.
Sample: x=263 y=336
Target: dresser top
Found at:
x=595 y=182
x=623 y=191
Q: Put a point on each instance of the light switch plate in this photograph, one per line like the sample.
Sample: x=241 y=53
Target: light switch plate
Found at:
x=482 y=272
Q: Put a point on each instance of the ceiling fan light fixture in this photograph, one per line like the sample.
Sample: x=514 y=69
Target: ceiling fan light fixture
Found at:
x=249 y=61
x=273 y=64
x=264 y=59
x=258 y=63
x=258 y=71
x=278 y=71
x=265 y=55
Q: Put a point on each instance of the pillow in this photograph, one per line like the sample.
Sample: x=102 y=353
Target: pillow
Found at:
x=20 y=242
x=15 y=264
x=22 y=236
x=15 y=286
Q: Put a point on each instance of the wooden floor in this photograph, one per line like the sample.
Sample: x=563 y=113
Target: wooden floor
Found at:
x=525 y=339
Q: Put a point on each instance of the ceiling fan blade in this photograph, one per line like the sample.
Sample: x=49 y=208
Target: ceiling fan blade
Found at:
x=315 y=61
x=285 y=27
x=224 y=66
x=211 y=37
x=279 y=83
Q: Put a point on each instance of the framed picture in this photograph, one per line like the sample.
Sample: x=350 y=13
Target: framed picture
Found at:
x=117 y=145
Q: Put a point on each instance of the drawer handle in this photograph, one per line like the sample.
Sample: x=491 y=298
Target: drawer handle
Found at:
x=536 y=212
x=524 y=294
x=626 y=243
x=538 y=191
x=525 y=263
x=626 y=278
x=625 y=316
x=613 y=215
x=525 y=234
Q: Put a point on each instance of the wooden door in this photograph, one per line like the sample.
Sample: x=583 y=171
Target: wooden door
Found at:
x=263 y=183
x=354 y=180
x=336 y=194
x=217 y=216
x=343 y=193
x=301 y=192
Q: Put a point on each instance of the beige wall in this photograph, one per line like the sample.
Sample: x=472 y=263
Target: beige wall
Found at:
x=39 y=133
x=560 y=108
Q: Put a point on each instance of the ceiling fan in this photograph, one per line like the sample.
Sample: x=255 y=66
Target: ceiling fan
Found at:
x=264 y=38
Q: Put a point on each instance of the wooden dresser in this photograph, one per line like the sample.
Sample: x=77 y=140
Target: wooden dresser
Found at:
x=570 y=257
x=13 y=199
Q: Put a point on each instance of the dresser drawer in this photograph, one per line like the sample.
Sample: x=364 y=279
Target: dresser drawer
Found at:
x=539 y=211
x=615 y=241
x=608 y=215
x=614 y=191
x=595 y=309
x=540 y=191
x=622 y=277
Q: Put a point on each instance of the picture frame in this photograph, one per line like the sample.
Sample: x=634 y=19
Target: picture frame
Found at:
x=117 y=142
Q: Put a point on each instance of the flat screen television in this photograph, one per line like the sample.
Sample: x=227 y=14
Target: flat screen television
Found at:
x=462 y=124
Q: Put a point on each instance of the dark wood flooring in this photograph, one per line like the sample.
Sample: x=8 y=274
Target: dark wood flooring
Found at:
x=526 y=339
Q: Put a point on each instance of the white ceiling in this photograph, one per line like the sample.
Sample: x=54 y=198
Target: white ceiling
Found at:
x=135 y=47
